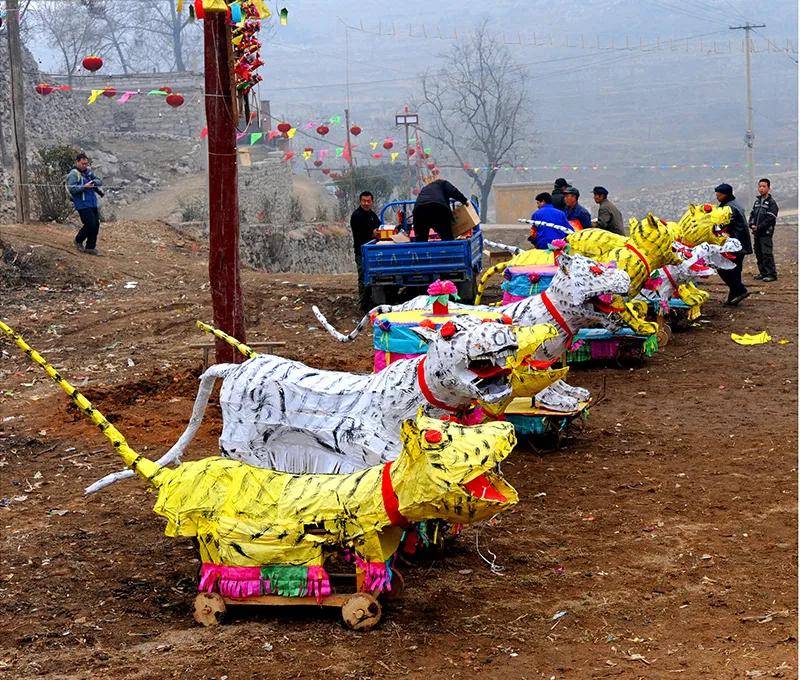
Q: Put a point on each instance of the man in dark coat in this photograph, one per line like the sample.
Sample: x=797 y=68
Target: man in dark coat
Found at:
x=608 y=215
x=738 y=230
x=432 y=210
x=363 y=223
x=557 y=197
x=762 y=224
x=578 y=216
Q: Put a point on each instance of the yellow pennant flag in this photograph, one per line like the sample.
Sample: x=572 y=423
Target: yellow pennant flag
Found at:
x=373 y=145
x=307 y=154
x=394 y=155
x=94 y=95
x=292 y=132
x=180 y=6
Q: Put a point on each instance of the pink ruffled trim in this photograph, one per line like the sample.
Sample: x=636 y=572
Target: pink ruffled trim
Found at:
x=242 y=582
x=382 y=359
x=377 y=575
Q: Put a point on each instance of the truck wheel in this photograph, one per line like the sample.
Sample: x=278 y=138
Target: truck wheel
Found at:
x=377 y=294
x=467 y=290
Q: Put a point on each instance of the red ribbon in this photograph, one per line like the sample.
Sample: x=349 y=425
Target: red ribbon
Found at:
x=640 y=256
x=671 y=280
x=426 y=392
x=560 y=320
x=390 y=502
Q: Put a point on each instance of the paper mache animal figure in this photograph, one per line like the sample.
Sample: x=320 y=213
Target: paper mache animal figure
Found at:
x=285 y=415
x=702 y=261
x=260 y=531
x=579 y=296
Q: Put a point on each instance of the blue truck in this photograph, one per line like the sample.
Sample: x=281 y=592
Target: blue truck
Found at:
x=398 y=271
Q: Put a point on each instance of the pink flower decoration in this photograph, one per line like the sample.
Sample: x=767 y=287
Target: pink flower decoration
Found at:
x=440 y=287
x=558 y=244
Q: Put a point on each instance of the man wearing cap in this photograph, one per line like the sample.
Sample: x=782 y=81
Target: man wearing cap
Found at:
x=548 y=223
x=557 y=197
x=738 y=230
x=608 y=215
x=578 y=216
x=762 y=224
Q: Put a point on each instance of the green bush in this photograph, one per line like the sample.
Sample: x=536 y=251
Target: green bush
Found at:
x=49 y=176
x=194 y=209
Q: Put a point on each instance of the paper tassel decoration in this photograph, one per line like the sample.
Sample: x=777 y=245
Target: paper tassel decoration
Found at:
x=199 y=11
x=236 y=12
x=284 y=16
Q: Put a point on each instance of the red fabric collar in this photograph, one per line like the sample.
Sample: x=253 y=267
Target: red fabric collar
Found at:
x=548 y=303
x=640 y=256
x=671 y=280
x=426 y=392
x=390 y=502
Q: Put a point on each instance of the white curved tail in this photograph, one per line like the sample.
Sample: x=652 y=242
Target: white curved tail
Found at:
x=352 y=335
x=502 y=246
x=207 y=381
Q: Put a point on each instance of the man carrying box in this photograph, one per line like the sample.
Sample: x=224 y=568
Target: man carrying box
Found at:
x=432 y=210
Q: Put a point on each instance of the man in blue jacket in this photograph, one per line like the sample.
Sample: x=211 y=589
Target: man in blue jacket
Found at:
x=578 y=216
x=84 y=187
x=549 y=223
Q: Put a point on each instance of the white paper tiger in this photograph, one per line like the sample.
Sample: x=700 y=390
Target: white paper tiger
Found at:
x=288 y=416
x=578 y=297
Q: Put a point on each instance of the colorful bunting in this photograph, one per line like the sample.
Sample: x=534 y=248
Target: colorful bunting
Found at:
x=94 y=95
x=255 y=136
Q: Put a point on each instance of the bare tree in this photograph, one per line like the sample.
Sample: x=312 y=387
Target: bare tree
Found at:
x=118 y=30
x=160 y=20
x=71 y=30
x=479 y=107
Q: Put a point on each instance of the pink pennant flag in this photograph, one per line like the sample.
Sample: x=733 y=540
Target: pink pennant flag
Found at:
x=310 y=125
x=273 y=133
x=204 y=133
x=239 y=135
x=125 y=97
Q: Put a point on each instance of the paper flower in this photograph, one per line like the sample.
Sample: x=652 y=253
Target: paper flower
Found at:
x=534 y=277
x=558 y=244
x=448 y=330
x=440 y=287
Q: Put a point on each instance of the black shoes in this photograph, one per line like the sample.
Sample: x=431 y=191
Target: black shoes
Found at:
x=758 y=277
x=79 y=246
x=734 y=301
x=769 y=279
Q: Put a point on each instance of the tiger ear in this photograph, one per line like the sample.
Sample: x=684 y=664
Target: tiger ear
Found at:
x=426 y=334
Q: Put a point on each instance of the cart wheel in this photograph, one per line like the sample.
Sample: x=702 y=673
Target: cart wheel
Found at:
x=361 y=612
x=398 y=586
x=209 y=609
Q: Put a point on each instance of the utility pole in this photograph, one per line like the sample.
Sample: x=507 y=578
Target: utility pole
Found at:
x=223 y=189
x=748 y=135
x=407 y=119
x=349 y=148
x=20 y=154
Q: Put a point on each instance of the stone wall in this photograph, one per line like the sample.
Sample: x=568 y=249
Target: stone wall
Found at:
x=265 y=192
x=143 y=113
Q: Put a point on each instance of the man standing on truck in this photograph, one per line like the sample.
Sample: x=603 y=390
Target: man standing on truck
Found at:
x=432 y=209
x=363 y=223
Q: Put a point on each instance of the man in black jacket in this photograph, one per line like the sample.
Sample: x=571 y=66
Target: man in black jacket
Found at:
x=363 y=223
x=738 y=230
x=557 y=197
x=762 y=224
x=432 y=209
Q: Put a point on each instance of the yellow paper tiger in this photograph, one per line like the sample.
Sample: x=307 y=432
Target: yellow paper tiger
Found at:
x=265 y=532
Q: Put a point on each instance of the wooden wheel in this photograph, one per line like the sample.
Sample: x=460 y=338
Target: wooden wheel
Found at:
x=398 y=586
x=664 y=335
x=361 y=612
x=209 y=609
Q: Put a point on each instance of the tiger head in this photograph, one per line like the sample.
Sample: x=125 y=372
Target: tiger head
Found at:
x=702 y=224
x=450 y=471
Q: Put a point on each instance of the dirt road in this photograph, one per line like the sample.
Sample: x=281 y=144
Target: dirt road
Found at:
x=659 y=543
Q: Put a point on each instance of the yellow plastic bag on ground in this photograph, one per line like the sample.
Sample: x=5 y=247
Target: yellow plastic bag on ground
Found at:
x=747 y=339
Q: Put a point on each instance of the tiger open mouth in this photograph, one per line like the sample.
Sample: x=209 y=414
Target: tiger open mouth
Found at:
x=603 y=303
x=491 y=373
x=487 y=486
x=719 y=229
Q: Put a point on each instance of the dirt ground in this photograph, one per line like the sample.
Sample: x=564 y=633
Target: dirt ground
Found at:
x=660 y=542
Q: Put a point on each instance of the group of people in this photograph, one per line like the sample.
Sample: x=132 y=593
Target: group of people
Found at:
x=559 y=213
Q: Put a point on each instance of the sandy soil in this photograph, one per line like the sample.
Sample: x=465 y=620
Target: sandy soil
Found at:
x=665 y=529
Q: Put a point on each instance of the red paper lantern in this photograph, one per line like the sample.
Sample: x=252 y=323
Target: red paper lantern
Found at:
x=92 y=63
x=110 y=92
x=175 y=100
x=323 y=130
x=326 y=171
x=310 y=149
x=388 y=144
x=355 y=130
x=44 y=89
x=284 y=127
x=317 y=163
x=166 y=89
x=410 y=151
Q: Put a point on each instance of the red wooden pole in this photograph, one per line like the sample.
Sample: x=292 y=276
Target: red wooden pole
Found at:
x=223 y=192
